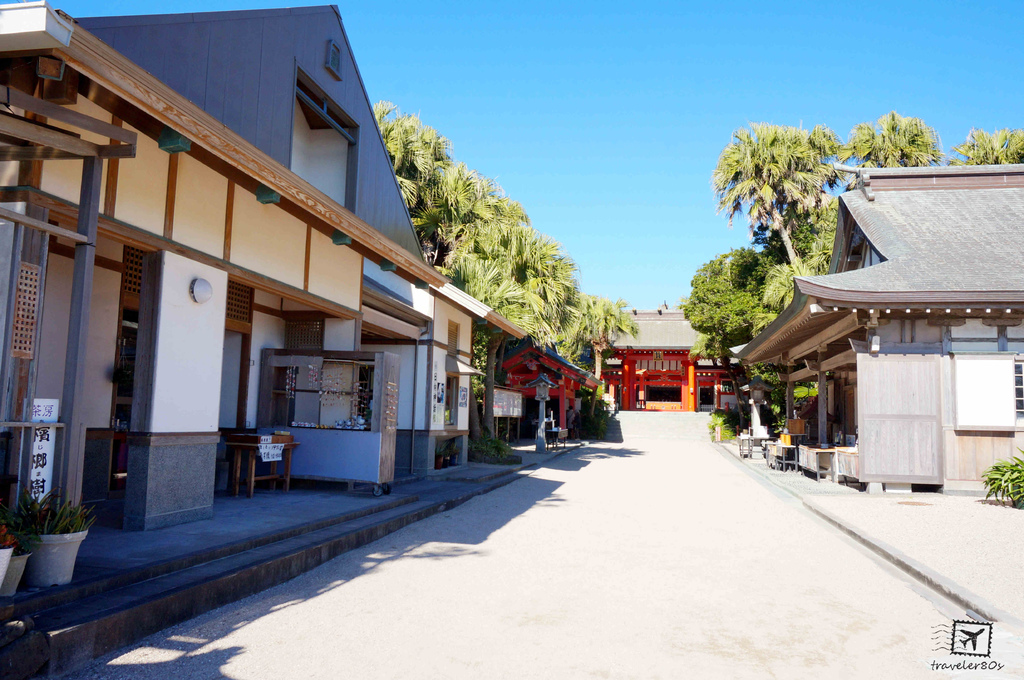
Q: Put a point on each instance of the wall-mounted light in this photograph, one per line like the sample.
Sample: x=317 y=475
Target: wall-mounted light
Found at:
x=200 y=290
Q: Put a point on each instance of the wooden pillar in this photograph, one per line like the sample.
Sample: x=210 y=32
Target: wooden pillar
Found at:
x=627 y=385
x=68 y=465
x=789 y=397
x=691 y=386
x=822 y=404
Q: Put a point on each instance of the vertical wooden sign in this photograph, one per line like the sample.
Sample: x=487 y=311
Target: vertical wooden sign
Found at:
x=40 y=469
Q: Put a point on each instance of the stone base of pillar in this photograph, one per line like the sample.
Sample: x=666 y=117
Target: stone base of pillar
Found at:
x=171 y=478
x=874 y=487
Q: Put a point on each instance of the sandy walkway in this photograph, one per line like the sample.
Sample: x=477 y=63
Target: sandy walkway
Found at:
x=651 y=559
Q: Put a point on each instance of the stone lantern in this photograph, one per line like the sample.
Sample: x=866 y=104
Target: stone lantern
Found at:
x=543 y=385
x=757 y=390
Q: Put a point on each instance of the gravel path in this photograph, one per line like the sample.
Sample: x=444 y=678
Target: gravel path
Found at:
x=976 y=543
x=651 y=559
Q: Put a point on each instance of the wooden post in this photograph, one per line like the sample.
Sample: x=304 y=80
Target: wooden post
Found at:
x=691 y=385
x=822 y=404
x=68 y=466
x=789 y=397
x=627 y=385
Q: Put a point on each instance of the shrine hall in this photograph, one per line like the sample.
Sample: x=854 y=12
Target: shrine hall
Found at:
x=654 y=371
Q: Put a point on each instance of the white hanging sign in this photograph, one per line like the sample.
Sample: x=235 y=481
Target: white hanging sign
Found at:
x=269 y=451
x=40 y=469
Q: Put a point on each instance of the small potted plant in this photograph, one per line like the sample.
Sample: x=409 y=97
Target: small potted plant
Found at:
x=24 y=542
x=61 y=527
x=7 y=545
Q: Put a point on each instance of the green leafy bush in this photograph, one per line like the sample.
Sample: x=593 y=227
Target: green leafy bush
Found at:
x=594 y=426
x=489 y=446
x=1005 y=481
x=20 y=528
x=729 y=421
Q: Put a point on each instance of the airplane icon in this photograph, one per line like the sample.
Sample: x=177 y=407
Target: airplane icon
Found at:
x=972 y=637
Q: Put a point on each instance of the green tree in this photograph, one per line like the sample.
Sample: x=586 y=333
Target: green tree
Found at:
x=774 y=173
x=995 y=148
x=892 y=141
x=778 y=285
x=598 y=322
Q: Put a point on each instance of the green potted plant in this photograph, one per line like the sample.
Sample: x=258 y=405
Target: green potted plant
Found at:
x=24 y=542
x=1005 y=481
x=61 y=527
x=7 y=544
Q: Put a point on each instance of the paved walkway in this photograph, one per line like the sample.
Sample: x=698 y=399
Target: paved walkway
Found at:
x=655 y=558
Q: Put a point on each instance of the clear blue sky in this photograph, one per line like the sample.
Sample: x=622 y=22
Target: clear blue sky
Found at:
x=605 y=119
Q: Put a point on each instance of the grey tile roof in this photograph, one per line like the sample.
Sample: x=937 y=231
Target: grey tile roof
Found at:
x=935 y=241
x=668 y=329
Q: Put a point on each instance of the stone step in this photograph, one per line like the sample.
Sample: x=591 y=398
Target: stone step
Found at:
x=90 y=627
x=28 y=603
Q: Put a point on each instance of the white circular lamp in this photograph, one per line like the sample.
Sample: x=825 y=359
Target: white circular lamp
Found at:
x=200 y=290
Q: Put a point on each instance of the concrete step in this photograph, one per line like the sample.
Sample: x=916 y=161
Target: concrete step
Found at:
x=87 y=628
x=660 y=425
x=28 y=603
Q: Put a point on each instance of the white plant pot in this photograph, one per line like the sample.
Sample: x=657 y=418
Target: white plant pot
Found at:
x=53 y=562
x=5 y=561
x=15 y=571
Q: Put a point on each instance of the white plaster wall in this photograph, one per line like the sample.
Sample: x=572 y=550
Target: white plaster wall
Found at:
x=335 y=272
x=320 y=157
x=142 y=186
x=443 y=313
x=422 y=300
x=200 y=204
x=339 y=335
x=8 y=173
x=267 y=332
x=189 y=349
x=64 y=177
x=230 y=372
x=267 y=240
x=102 y=338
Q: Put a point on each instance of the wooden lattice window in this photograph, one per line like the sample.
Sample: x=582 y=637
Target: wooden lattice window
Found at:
x=304 y=334
x=26 y=306
x=131 y=277
x=239 y=302
x=453 y=338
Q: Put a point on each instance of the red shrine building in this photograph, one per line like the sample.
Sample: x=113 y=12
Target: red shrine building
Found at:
x=655 y=372
x=526 y=362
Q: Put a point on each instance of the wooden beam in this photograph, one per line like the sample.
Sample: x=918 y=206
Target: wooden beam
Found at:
x=54 y=112
x=35 y=133
x=803 y=375
x=172 y=184
x=264 y=309
x=57 y=248
x=24 y=220
x=847 y=358
x=110 y=193
x=836 y=331
x=305 y=271
x=382 y=324
x=229 y=212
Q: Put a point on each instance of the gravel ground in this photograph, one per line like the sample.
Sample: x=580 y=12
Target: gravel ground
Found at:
x=976 y=543
x=651 y=559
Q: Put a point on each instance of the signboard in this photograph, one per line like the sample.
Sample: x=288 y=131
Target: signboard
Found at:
x=508 y=404
x=437 y=400
x=659 y=355
x=463 y=397
x=268 y=450
x=44 y=439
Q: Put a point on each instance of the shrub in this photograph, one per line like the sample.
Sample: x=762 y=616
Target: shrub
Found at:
x=492 y=450
x=1005 y=481
x=594 y=426
x=729 y=421
x=52 y=515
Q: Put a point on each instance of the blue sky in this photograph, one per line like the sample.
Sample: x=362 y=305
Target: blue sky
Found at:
x=605 y=119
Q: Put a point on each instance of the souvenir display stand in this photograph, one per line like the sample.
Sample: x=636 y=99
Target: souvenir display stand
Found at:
x=342 y=407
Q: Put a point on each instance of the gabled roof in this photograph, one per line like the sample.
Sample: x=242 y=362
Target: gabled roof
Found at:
x=240 y=67
x=527 y=347
x=659 y=329
x=939 y=245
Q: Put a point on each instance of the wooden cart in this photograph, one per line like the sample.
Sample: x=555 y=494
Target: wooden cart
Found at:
x=247 y=446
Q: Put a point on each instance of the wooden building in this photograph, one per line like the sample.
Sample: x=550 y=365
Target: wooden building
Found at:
x=916 y=335
x=144 y=155
x=526 y=362
x=655 y=371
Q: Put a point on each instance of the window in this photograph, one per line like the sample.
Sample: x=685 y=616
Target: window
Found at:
x=451 y=400
x=453 y=339
x=322 y=134
x=727 y=386
x=1018 y=389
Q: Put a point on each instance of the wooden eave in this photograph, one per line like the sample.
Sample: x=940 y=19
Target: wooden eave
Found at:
x=829 y=296
x=111 y=70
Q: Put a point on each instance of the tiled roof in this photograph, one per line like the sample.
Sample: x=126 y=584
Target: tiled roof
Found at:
x=659 y=329
x=935 y=240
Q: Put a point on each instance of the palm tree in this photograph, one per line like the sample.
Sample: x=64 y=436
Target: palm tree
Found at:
x=773 y=172
x=598 y=322
x=996 y=148
x=778 y=285
x=418 y=152
x=892 y=141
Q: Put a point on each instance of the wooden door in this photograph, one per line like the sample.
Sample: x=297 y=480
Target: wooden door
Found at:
x=899 y=418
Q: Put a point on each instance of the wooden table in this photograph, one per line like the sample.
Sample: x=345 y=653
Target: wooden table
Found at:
x=239 y=445
x=782 y=456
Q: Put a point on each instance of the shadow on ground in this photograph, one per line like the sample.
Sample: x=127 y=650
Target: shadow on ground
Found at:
x=452 y=534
